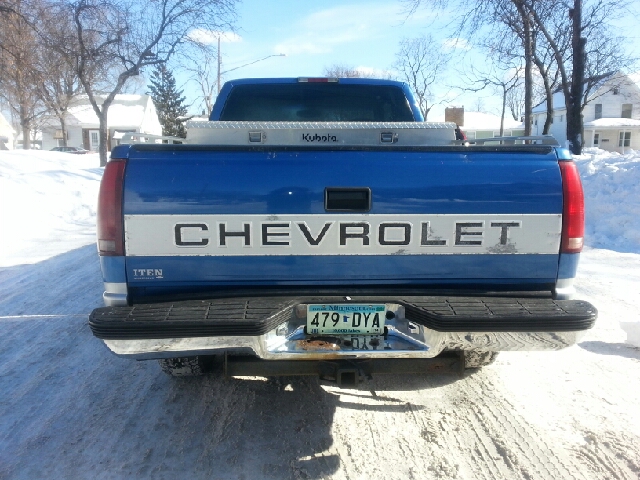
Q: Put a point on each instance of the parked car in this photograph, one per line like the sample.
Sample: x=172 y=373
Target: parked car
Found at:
x=76 y=150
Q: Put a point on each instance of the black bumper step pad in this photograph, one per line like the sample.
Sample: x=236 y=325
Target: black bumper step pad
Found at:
x=495 y=314
x=193 y=318
x=259 y=315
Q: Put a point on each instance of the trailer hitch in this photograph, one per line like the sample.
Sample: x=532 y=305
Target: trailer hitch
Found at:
x=344 y=373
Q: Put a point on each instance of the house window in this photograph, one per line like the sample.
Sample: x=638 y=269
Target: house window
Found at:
x=627 y=109
x=596 y=139
x=625 y=139
x=616 y=91
x=484 y=134
x=598 y=110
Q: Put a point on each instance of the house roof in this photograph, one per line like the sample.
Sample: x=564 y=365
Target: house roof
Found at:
x=487 y=121
x=613 y=123
x=125 y=111
x=558 y=104
x=484 y=121
x=635 y=78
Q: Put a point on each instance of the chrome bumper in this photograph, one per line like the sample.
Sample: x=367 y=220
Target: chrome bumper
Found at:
x=404 y=339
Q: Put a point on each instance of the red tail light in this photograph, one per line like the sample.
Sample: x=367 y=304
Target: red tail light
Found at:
x=573 y=209
x=110 y=219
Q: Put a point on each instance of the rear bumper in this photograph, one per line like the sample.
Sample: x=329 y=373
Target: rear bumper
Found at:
x=273 y=328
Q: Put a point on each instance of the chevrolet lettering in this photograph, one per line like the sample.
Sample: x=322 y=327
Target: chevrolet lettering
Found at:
x=361 y=235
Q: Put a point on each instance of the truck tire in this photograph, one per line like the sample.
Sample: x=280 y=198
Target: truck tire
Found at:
x=187 y=366
x=477 y=359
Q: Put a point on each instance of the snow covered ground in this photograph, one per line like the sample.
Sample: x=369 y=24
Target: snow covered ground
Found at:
x=611 y=185
x=47 y=204
x=612 y=190
x=70 y=409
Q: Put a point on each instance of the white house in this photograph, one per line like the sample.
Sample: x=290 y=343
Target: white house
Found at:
x=481 y=125
x=7 y=134
x=127 y=113
x=611 y=116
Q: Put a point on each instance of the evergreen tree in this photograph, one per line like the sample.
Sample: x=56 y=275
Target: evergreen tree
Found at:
x=168 y=101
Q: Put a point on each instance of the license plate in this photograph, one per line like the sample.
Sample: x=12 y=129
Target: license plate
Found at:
x=346 y=319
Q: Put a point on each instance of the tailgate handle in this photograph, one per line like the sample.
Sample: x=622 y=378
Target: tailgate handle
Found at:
x=347 y=199
x=388 y=137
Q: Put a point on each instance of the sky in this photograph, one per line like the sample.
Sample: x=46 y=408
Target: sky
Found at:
x=355 y=33
x=313 y=36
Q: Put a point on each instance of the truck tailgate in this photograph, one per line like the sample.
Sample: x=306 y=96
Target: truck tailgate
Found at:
x=204 y=217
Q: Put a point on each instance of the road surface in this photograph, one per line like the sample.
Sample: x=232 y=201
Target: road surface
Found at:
x=70 y=409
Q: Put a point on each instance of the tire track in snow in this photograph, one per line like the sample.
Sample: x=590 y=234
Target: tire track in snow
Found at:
x=374 y=432
x=69 y=409
x=610 y=455
x=524 y=452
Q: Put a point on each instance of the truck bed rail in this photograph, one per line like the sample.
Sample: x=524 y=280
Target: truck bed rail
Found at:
x=522 y=139
x=329 y=134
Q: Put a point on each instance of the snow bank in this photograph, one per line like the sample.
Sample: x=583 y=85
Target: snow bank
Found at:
x=47 y=204
x=611 y=184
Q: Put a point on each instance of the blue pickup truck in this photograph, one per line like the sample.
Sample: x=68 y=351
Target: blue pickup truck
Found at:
x=320 y=227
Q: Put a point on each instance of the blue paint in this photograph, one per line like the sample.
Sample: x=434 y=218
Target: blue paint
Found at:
x=568 y=265
x=346 y=270
x=278 y=181
x=120 y=151
x=113 y=269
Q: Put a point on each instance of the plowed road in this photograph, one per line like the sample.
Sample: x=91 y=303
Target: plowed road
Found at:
x=70 y=409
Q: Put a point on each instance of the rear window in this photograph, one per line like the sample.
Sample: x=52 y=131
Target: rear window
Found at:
x=317 y=102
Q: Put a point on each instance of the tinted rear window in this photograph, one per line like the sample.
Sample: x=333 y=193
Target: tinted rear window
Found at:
x=317 y=102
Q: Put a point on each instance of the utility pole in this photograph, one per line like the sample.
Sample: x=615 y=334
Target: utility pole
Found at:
x=242 y=66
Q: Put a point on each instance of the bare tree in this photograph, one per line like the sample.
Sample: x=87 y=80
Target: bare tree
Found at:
x=19 y=77
x=201 y=61
x=135 y=35
x=544 y=60
x=474 y=15
x=526 y=36
x=421 y=63
x=205 y=75
x=478 y=105
x=346 y=71
x=505 y=56
x=540 y=87
x=567 y=62
x=503 y=81
x=539 y=24
x=515 y=102
x=60 y=83
x=606 y=58
x=572 y=82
